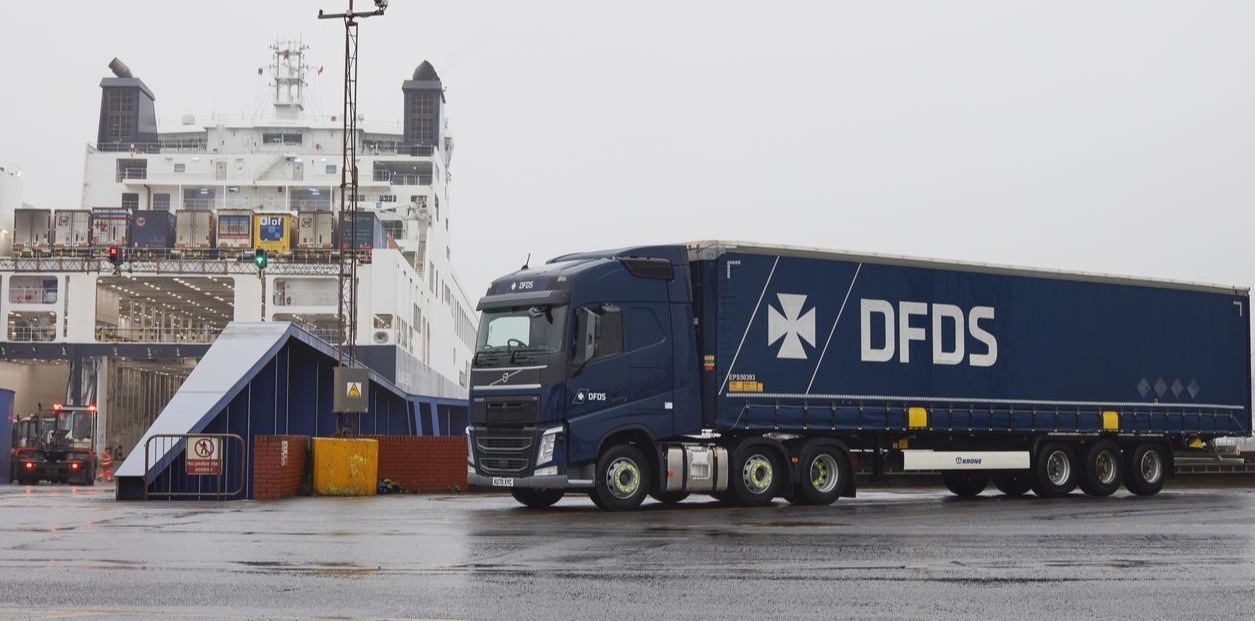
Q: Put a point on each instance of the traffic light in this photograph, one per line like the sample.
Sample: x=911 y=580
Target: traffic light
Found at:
x=115 y=255
x=260 y=258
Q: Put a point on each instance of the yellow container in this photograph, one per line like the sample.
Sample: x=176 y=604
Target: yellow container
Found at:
x=345 y=467
x=272 y=232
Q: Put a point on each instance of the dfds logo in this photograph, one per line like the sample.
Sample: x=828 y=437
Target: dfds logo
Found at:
x=887 y=331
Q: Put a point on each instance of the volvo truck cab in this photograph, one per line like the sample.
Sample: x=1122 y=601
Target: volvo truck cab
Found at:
x=584 y=354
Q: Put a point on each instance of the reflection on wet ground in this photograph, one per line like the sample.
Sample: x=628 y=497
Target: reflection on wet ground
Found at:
x=903 y=554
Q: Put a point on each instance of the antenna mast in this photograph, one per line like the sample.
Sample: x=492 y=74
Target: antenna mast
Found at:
x=346 y=321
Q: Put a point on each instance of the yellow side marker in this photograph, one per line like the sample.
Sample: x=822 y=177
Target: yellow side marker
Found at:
x=1110 y=421
x=916 y=418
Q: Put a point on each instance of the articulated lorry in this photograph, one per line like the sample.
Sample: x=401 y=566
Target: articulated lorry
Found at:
x=750 y=373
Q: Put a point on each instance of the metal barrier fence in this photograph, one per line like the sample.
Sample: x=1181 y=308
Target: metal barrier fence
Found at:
x=210 y=461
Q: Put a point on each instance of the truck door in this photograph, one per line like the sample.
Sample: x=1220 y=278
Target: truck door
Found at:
x=650 y=364
x=597 y=388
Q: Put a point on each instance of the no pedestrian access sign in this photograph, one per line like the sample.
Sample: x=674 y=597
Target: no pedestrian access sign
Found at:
x=204 y=455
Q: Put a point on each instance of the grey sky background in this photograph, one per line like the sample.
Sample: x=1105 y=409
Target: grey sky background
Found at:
x=1103 y=136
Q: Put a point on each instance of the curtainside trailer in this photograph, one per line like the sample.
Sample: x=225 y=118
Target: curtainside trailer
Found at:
x=751 y=372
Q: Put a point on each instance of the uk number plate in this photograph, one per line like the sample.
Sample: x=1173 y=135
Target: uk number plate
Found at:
x=503 y=481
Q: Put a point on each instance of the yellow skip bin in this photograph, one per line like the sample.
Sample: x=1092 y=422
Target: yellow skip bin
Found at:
x=345 y=467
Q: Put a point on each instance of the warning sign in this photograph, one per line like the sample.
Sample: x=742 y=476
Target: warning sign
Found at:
x=204 y=455
x=352 y=395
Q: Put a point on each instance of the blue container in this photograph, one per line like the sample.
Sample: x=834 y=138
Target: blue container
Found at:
x=368 y=234
x=152 y=229
x=803 y=339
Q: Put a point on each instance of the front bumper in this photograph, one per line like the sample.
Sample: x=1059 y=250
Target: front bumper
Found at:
x=577 y=478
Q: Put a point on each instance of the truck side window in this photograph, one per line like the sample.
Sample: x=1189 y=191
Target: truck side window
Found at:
x=609 y=330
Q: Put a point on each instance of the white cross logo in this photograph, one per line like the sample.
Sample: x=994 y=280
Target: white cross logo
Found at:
x=792 y=326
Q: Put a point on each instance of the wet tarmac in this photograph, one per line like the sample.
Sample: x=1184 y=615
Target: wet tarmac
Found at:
x=908 y=554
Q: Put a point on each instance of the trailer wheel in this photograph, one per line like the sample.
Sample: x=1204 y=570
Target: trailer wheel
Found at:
x=1054 y=470
x=1102 y=472
x=756 y=475
x=965 y=484
x=536 y=498
x=1145 y=468
x=822 y=473
x=669 y=498
x=622 y=478
x=1013 y=483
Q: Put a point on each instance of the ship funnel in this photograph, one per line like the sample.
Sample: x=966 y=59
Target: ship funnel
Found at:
x=120 y=69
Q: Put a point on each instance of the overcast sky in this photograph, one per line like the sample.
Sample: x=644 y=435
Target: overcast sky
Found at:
x=1103 y=136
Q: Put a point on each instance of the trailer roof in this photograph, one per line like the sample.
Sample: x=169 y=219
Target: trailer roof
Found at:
x=714 y=248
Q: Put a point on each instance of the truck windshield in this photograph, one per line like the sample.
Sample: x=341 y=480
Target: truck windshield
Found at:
x=538 y=329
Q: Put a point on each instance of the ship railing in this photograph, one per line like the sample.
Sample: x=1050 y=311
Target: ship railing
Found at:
x=132 y=173
x=304 y=298
x=32 y=334
x=133 y=254
x=111 y=334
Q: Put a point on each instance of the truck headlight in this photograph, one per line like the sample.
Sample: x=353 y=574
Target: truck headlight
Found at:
x=548 y=441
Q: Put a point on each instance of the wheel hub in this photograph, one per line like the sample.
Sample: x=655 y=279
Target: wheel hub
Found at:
x=824 y=473
x=623 y=478
x=1058 y=468
x=1105 y=468
x=757 y=474
x=1152 y=468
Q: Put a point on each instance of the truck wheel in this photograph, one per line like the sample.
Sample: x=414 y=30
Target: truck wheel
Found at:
x=668 y=498
x=1144 y=469
x=965 y=484
x=1101 y=475
x=822 y=473
x=536 y=498
x=1013 y=483
x=756 y=475
x=622 y=478
x=1054 y=470
x=597 y=501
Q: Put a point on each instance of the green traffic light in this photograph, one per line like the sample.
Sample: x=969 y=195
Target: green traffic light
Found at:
x=260 y=258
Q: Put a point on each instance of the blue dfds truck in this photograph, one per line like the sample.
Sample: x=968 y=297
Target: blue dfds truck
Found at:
x=749 y=372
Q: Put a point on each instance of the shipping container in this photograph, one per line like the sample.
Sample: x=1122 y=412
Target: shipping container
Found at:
x=194 y=229
x=32 y=229
x=153 y=229
x=368 y=234
x=111 y=226
x=272 y=232
x=235 y=228
x=71 y=228
x=315 y=230
x=753 y=372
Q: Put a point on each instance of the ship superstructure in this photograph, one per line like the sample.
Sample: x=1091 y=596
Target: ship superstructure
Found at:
x=187 y=204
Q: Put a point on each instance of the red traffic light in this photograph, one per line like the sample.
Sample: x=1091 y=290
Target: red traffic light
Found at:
x=56 y=407
x=115 y=255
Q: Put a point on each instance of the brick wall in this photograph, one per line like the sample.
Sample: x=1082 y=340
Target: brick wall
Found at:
x=423 y=463
x=272 y=477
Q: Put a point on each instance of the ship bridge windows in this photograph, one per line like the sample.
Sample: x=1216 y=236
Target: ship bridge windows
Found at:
x=132 y=169
x=310 y=199
x=402 y=173
x=198 y=198
x=36 y=327
x=306 y=292
x=281 y=138
x=33 y=290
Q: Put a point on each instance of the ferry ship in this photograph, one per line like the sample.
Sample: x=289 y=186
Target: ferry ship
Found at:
x=113 y=301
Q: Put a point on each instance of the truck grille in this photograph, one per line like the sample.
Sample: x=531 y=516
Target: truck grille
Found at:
x=487 y=444
x=504 y=450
